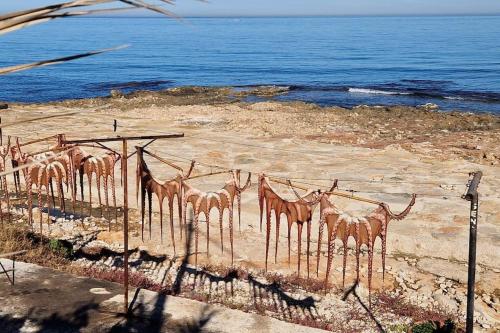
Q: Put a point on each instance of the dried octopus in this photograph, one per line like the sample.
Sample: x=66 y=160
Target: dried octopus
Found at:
x=104 y=169
x=223 y=199
x=364 y=230
x=168 y=189
x=299 y=212
x=41 y=172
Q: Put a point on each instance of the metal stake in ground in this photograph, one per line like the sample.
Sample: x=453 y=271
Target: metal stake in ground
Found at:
x=472 y=196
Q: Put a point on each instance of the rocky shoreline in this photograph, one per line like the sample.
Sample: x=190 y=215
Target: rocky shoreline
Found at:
x=421 y=130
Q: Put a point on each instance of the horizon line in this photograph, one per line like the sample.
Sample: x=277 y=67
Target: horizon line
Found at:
x=299 y=16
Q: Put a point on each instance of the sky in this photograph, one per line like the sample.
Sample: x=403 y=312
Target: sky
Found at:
x=309 y=7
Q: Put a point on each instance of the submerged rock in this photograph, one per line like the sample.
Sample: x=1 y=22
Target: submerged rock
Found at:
x=429 y=107
x=115 y=93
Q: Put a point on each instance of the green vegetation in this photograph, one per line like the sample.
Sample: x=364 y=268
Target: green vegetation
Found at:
x=435 y=327
x=61 y=247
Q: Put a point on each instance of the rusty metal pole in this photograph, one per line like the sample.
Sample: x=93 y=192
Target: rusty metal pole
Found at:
x=473 y=196
x=125 y=223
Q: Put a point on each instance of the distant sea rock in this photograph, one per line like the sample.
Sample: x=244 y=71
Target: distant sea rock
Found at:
x=429 y=107
x=115 y=93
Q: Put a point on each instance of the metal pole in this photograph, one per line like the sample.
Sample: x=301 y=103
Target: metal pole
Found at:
x=472 y=196
x=125 y=223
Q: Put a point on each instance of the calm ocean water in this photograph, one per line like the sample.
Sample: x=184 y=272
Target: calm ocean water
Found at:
x=451 y=61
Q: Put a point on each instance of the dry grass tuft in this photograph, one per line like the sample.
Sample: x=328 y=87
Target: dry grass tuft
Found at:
x=17 y=238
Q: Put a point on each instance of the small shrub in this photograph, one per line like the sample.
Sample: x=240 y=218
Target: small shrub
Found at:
x=62 y=247
x=435 y=327
x=427 y=327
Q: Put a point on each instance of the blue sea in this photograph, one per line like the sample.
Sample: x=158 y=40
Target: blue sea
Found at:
x=450 y=61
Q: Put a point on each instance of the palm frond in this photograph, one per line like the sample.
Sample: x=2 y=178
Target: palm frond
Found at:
x=23 y=67
x=22 y=19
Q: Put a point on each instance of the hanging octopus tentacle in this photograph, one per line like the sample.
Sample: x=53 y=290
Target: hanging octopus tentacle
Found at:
x=364 y=230
x=320 y=238
x=231 y=233
x=331 y=249
x=171 y=219
x=81 y=174
x=113 y=193
x=384 y=247
x=268 y=229
x=277 y=219
x=143 y=209
x=261 y=198
x=48 y=199
x=344 y=262
x=370 y=258
x=289 y=225
x=358 y=247
x=308 y=244
x=299 y=234
x=40 y=203
x=297 y=212
x=221 y=215
x=150 y=210
x=29 y=190
x=59 y=177
x=89 y=178
x=106 y=199
x=160 y=206
x=207 y=218
x=196 y=227
x=51 y=185
x=179 y=207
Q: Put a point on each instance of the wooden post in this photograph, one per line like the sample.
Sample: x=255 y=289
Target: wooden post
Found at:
x=115 y=125
x=125 y=223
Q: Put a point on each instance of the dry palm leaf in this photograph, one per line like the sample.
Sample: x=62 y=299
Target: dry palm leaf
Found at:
x=18 y=68
x=22 y=19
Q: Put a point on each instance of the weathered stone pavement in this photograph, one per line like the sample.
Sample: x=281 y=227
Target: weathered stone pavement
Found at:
x=46 y=300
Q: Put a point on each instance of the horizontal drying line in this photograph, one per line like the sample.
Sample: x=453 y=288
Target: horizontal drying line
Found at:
x=316 y=185
x=306 y=153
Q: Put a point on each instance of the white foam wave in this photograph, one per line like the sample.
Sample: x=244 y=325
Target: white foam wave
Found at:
x=454 y=98
x=374 y=91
